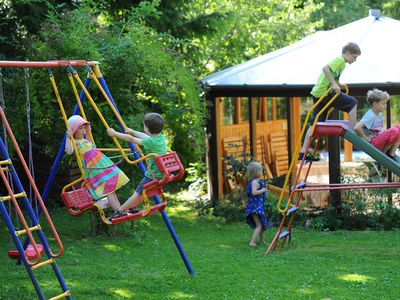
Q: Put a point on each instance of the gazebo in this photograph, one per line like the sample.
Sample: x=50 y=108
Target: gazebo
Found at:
x=272 y=85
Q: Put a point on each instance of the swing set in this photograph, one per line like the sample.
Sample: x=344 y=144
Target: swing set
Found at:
x=77 y=201
x=75 y=195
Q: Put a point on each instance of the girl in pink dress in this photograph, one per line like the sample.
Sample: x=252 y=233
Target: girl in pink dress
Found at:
x=101 y=176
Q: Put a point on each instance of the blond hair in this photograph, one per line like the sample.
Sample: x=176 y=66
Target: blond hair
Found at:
x=376 y=95
x=254 y=170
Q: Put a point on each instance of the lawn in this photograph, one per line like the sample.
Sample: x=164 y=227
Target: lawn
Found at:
x=145 y=264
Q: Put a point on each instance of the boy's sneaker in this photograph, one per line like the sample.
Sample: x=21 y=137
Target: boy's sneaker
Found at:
x=133 y=210
x=118 y=214
x=309 y=157
x=392 y=157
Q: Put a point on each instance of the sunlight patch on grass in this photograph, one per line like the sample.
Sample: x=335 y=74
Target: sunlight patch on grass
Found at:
x=123 y=293
x=224 y=246
x=306 y=291
x=185 y=195
x=176 y=210
x=355 y=278
x=112 y=247
x=181 y=295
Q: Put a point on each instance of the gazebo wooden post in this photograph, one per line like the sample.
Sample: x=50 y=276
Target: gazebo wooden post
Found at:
x=334 y=165
x=389 y=125
x=252 y=102
x=214 y=145
x=289 y=127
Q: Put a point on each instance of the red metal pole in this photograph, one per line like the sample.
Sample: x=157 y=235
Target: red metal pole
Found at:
x=46 y=64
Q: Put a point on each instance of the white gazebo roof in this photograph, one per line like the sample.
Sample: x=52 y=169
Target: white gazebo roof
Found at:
x=301 y=63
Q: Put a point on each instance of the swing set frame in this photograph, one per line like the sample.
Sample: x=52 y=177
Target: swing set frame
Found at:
x=152 y=189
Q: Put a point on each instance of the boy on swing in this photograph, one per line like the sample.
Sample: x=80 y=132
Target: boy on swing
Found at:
x=153 y=141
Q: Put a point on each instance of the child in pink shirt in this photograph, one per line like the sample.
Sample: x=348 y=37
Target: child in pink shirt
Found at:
x=370 y=127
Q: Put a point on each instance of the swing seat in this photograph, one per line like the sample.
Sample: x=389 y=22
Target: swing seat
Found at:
x=170 y=165
x=142 y=213
x=77 y=201
x=29 y=252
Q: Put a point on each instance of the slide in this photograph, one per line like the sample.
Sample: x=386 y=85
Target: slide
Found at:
x=338 y=128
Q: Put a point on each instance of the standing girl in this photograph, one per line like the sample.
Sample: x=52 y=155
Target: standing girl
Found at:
x=101 y=176
x=255 y=214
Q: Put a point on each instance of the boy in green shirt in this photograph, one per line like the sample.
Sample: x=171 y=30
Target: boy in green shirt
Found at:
x=330 y=78
x=153 y=141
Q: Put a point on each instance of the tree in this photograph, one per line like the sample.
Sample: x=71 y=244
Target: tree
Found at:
x=141 y=71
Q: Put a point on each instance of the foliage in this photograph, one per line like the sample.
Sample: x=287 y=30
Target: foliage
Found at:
x=334 y=13
x=198 y=179
x=141 y=71
x=363 y=208
x=225 y=33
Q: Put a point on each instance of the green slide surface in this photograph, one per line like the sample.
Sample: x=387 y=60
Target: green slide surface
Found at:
x=376 y=154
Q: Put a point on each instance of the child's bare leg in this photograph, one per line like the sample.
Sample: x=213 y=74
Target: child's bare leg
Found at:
x=262 y=231
x=256 y=232
x=352 y=117
x=113 y=201
x=306 y=141
x=132 y=201
x=393 y=148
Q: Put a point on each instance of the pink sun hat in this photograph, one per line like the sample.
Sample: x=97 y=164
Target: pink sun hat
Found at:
x=75 y=122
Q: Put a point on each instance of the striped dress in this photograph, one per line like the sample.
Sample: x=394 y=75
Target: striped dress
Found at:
x=101 y=175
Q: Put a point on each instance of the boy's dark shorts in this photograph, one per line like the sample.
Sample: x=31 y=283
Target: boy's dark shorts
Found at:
x=139 y=188
x=343 y=102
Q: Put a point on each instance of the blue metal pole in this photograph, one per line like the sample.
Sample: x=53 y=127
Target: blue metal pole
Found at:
x=156 y=197
x=20 y=248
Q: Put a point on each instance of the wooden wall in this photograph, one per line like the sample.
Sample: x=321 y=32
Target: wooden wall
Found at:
x=263 y=127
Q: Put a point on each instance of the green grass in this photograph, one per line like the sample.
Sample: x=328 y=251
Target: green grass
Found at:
x=146 y=264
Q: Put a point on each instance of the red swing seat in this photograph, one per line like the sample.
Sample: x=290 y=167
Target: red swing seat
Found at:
x=77 y=201
x=170 y=165
x=142 y=213
x=29 y=252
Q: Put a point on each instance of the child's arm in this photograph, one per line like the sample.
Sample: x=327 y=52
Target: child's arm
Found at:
x=138 y=134
x=254 y=188
x=358 y=128
x=335 y=85
x=69 y=147
x=125 y=137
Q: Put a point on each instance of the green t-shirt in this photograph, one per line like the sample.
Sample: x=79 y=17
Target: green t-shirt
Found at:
x=323 y=84
x=157 y=145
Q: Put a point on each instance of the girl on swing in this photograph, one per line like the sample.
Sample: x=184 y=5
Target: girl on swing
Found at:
x=101 y=176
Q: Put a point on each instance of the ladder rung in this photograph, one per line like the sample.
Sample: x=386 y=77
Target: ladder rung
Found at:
x=5 y=169
x=5 y=162
x=20 y=195
x=292 y=210
x=23 y=231
x=42 y=264
x=63 y=295
x=283 y=234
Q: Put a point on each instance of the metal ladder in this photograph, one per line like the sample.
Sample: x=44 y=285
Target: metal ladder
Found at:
x=298 y=184
x=30 y=255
